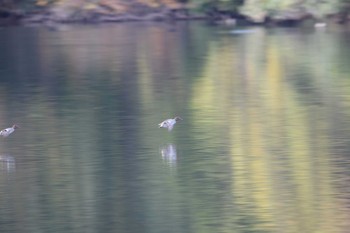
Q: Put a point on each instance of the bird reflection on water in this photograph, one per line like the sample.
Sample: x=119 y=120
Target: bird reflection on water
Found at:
x=169 y=155
x=7 y=163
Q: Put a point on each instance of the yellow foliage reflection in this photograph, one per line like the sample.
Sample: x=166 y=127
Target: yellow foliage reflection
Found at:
x=281 y=175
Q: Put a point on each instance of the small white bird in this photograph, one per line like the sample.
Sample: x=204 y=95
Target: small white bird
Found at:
x=6 y=132
x=169 y=123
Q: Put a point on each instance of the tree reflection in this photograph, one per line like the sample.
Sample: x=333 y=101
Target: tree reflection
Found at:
x=263 y=127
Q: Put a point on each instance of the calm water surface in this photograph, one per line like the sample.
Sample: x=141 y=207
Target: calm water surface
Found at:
x=264 y=145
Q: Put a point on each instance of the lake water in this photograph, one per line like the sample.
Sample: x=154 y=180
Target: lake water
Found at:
x=264 y=145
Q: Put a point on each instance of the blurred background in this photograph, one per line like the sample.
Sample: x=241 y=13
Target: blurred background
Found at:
x=264 y=142
x=256 y=11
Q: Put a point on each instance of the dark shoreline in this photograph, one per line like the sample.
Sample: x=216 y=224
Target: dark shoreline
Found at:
x=167 y=15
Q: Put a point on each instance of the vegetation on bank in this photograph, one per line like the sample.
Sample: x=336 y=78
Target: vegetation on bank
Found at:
x=257 y=11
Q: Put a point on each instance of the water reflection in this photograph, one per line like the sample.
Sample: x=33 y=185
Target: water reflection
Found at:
x=169 y=154
x=243 y=31
x=7 y=163
x=255 y=155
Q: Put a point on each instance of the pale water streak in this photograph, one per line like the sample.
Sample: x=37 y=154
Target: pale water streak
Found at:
x=263 y=147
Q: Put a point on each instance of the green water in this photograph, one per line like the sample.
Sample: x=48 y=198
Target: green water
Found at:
x=264 y=145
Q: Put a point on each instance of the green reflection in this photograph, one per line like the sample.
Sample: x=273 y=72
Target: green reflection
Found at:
x=263 y=146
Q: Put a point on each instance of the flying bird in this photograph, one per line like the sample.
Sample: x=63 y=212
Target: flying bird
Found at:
x=6 y=132
x=169 y=123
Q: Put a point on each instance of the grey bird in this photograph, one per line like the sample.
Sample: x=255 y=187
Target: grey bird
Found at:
x=169 y=123
x=6 y=132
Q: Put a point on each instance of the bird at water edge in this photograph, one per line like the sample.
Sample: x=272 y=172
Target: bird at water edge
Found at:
x=169 y=123
x=6 y=132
